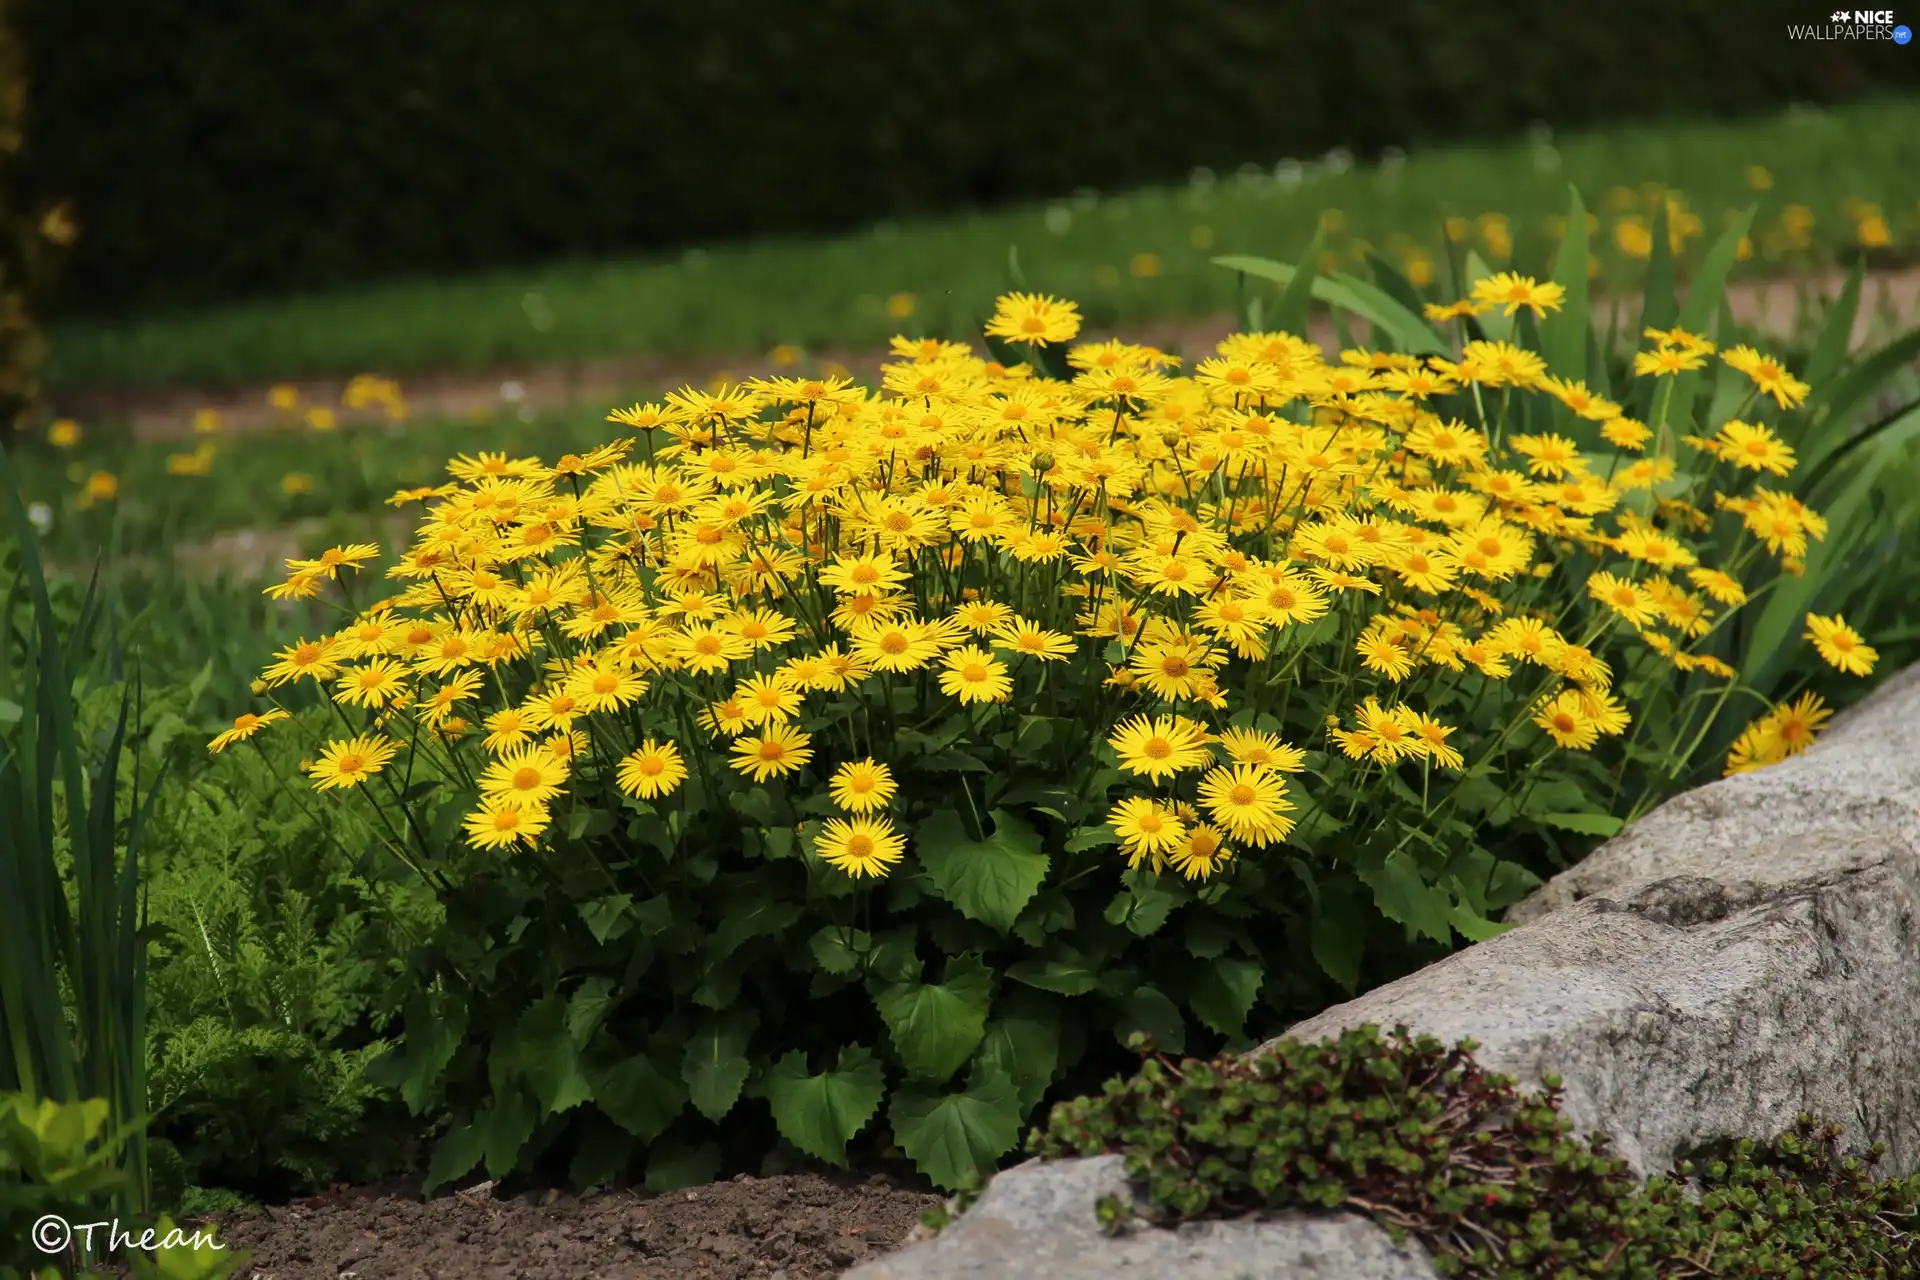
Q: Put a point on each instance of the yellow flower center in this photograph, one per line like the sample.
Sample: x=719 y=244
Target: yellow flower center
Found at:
x=1242 y=794
x=860 y=845
x=526 y=779
x=246 y=721
x=606 y=682
x=352 y=762
x=974 y=673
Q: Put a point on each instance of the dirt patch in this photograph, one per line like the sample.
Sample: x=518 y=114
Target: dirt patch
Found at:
x=796 y=1226
x=1771 y=306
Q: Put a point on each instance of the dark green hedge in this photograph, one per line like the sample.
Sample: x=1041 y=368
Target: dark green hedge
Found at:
x=222 y=147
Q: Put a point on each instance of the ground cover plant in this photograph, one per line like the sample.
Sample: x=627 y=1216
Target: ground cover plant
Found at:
x=1487 y=1176
x=1831 y=183
x=858 y=768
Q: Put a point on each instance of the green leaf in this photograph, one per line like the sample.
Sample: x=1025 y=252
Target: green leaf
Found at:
x=715 y=1065
x=1836 y=334
x=637 y=1095
x=507 y=1124
x=1564 y=333
x=1149 y=1009
x=543 y=1053
x=821 y=1114
x=1291 y=312
x=958 y=1137
x=936 y=1026
x=762 y=916
x=990 y=880
x=1492 y=323
x=1068 y=976
x=1473 y=926
x=1402 y=894
x=1023 y=1044
x=589 y=1007
x=1509 y=883
x=1661 y=305
x=837 y=948
x=1590 y=824
x=1225 y=993
x=455 y=1155
x=1407 y=330
x=1704 y=297
x=434 y=1030
x=607 y=918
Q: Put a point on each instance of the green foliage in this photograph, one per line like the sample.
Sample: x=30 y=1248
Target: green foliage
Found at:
x=1488 y=1176
x=73 y=923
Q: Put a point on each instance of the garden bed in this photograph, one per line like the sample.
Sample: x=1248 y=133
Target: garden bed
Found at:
x=792 y=1225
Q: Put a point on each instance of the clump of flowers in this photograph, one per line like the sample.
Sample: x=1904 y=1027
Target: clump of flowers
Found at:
x=1077 y=619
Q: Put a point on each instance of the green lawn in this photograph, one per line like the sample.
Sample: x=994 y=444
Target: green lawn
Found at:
x=1128 y=258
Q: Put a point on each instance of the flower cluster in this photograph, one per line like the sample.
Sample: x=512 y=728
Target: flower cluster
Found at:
x=794 y=571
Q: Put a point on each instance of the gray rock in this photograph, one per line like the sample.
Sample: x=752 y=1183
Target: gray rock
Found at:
x=1037 y=1220
x=1745 y=953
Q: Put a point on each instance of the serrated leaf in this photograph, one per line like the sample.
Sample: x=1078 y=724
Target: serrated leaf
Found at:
x=589 y=1007
x=1473 y=926
x=935 y=1027
x=715 y=1064
x=1225 y=993
x=507 y=1125
x=543 y=1053
x=1509 y=883
x=989 y=880
x=837 y=948
x=957 y=1137
x=637 y=1095
x=821 y=1114
x=1149 y=1009
x=1024 y=1046
x=454 y=1156
x=1403 y=895
x=1590 y=824
x=1067 y=976
x=607 y=918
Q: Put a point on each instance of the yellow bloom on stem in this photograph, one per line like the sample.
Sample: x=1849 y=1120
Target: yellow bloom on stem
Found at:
x=860 y=846
x=651 y=770
x=861 y=786
x=502 y=821
x=1514 y=291
x=1753 y=448
x=1204 y=852
x=1263 y=750
x=971 y=674
x=1034 y=318
x=1147 y=829
x=315 y=658
x=529 y=775
x=350 y=762
x=507 y=729
x=1628 y=599
x=775 y=752
x=1798 y=723
x=1248 y=802
x=1159 y=747
x=1567 y=720
x=770 y=699
x=1665 y=362
x=373 y=685
x=244 y=727
x=1840 y=645
x=1769 y=375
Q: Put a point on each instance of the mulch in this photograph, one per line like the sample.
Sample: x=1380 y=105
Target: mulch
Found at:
x=789 y=1227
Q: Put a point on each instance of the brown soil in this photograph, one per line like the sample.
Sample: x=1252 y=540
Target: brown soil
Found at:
x=1769 y=305
x=795 y=1226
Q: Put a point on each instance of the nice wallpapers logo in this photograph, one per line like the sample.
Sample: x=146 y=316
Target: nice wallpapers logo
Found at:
x=1854 y=24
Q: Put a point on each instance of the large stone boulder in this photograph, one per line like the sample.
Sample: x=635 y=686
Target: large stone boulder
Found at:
x=1747 y=952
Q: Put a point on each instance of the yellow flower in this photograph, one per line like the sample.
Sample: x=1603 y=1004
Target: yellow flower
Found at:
x=971 y=674
x=860 y=846
x=351 y=762
x=1034 y=318
x=295 y=483
x=861 y=786
x=321 y=418
x=1204 y=852
x=1568 y=720
x=1753 y=448
x=778 y=750
x=1146 y=829
x=284 y=397
x=651 y=770
x=1248 y=802
x=1840 y=645
x=64 y=433
x=1769 y=375
x=901 y=305
x=102 y=486
x=1515 y=291
x=502 y=821
x=244 y=727
x=528 y=775
x=1628 y=599
x=1159 y=747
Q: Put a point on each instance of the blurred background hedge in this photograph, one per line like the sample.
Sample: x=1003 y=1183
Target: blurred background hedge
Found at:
x=220 y=148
